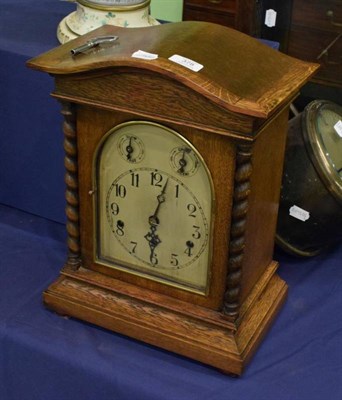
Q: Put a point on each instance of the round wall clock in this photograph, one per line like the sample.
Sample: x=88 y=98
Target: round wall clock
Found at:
x=310 y=212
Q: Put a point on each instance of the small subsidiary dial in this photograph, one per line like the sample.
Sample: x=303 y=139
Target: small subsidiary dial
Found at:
x=184 y=161
x=131 y=148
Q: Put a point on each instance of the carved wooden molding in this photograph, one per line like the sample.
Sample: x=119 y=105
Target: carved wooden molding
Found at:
x=237 y=232
x=71 y=180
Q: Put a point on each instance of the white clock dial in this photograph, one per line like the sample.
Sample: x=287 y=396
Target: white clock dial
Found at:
x=154 y=206
x=169 y=206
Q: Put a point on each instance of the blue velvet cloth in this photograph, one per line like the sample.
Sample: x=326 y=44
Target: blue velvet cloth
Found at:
x=31 y=151
x=47 y=357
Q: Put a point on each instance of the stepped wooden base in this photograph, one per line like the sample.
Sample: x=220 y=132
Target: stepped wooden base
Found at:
x=192 y=331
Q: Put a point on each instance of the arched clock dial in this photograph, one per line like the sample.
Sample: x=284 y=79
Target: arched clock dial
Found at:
x=154 y=205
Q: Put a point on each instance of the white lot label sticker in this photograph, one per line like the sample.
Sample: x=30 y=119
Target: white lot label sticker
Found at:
x=186 y=62
x=299 y=213
x=338 y=128
x=270 y=18
x=144 y=55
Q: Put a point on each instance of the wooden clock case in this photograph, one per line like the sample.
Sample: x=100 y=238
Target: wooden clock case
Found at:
x=234 y=111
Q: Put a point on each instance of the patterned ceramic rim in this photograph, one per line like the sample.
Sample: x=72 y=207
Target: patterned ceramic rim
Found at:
x=64 y=34
x=89 y=3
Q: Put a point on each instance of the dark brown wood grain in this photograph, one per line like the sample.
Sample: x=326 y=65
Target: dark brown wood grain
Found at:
x=222 y=12
x=313 y=14
x=312 y=31
x=246 y=19
x=210 y=5
x=238 y=14
x=309 y=43
x=201 y=14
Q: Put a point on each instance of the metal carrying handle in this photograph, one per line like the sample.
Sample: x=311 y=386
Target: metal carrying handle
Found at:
x=93 y=43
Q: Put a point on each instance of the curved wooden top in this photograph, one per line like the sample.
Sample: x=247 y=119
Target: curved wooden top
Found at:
x=240 y=73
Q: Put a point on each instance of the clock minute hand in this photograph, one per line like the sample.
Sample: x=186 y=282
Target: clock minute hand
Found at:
x=151 y=236
x=153 y=219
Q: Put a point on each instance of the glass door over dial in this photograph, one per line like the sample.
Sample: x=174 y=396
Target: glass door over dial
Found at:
x=154 y=204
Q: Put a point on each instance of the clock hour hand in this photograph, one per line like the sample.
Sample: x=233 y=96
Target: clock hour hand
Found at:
x=151 y=236
x=153 y=219
x=153 y=241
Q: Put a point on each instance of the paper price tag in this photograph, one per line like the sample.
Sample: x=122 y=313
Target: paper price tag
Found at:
x=338 y=128
x=270 y=18
x=299 y=213
x=144 y=55
x=186 y=62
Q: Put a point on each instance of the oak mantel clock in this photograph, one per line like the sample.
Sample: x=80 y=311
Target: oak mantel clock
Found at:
x=174 y=141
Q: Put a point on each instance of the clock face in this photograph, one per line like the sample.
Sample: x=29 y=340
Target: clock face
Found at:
x=154 y=206
x=332 y=143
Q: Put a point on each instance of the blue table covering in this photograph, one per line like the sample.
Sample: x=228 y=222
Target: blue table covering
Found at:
x=31 y=151
x=45 y=356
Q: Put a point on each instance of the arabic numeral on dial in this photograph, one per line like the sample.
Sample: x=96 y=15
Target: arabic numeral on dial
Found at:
x=114 y=208
x=197 y=233
x=189 y=248
x=120 y=228
x=174 y=260
x=156 y=179
x=154 y=259
x=120 y=190
x=134 y=246
x=192 y=210
x=177 y=191
x=135 y=179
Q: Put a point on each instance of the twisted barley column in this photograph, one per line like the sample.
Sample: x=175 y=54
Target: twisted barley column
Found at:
x=237 y=231
x=71 y=180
